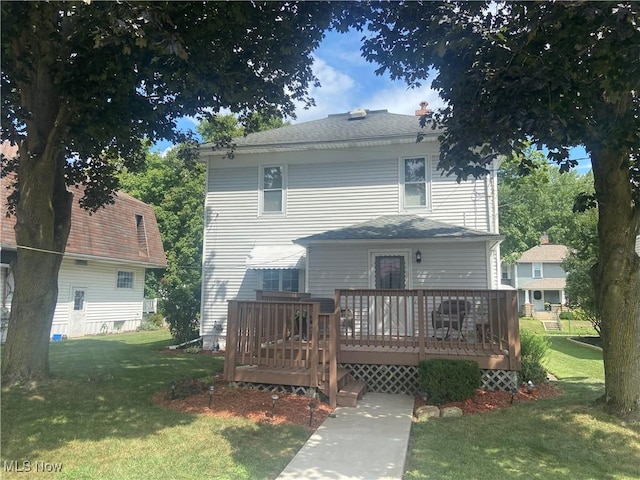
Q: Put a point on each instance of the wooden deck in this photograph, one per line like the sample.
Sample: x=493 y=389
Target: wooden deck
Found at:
x=288 y=340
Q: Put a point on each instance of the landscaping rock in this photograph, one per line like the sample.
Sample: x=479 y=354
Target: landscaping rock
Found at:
x=427 y=411
x=451 y=412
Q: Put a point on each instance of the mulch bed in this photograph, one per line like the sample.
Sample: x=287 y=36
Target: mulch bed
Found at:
x=256 y=405
x=486 y=401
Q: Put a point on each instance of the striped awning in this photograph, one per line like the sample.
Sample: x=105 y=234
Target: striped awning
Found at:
x=276 y=257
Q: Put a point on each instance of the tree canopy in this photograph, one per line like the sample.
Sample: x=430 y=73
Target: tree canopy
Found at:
x=86 y=84
x=558 y=74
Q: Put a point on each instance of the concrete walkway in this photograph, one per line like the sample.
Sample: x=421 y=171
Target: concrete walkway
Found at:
x=368 y=442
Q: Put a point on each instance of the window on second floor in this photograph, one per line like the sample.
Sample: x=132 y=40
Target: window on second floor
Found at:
x=272 y=189
x=537 y=270
x=415 y=183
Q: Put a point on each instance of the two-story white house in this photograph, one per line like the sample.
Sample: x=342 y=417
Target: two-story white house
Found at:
x=348 y=201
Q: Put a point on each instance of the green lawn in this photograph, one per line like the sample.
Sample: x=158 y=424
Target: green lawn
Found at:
x=565 y=437
x=569 y=327
x=96 y=418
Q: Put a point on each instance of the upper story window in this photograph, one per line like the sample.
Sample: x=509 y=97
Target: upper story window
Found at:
x=415 y=183
x=272 y=186
x=537 y=270
x=125 y=279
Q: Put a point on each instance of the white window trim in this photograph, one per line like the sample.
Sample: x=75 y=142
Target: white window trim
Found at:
x=261 y=190
x=133 y=279
x=427 y=181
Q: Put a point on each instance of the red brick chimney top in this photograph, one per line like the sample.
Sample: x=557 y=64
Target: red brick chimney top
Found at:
x=423 y=109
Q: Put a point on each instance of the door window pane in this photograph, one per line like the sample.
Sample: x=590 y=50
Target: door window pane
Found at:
x=78 y=300
x=390 y=272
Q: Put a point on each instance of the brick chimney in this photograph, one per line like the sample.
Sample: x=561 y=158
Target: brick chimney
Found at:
x=423 y=109
x=544 y=239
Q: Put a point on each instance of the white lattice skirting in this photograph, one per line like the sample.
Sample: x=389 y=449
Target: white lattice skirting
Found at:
x=404 y=378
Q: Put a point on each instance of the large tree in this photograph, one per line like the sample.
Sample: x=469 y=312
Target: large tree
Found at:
x=538 y=200
x=559 y=74
x=85 y=83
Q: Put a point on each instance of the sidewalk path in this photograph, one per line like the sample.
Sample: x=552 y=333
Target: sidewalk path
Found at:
x=368 y=442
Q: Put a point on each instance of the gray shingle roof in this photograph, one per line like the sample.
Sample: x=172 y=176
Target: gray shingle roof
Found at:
x=337 y=128
x=398 y=227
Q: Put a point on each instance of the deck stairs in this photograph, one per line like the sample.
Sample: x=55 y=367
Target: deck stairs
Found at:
x=349 y=390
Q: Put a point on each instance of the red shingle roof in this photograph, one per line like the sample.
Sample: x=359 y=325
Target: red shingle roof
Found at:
x=125 y=231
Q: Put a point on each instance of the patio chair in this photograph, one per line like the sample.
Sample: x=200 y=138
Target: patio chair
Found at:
x=450 y=315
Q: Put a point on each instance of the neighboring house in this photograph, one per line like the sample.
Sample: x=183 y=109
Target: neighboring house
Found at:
x=540 y=278
x=348 y=201
x=101 y=279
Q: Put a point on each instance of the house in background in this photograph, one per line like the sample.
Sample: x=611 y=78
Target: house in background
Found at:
x=101 y=279
x=350 y=212
x=540 y=279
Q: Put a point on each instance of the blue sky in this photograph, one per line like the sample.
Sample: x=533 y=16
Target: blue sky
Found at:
x=349 y=82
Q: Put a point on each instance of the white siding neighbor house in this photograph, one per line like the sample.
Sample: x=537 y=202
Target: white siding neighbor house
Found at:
x=349 y=201
x=101 y=279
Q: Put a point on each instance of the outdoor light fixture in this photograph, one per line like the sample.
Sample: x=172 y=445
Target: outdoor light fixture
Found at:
x=173 y=386
x=312 y=405
x=418 y=256
x=514 y=392
x=274 y=400
x=211 y=388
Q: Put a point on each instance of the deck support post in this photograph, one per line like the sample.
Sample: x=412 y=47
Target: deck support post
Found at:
x=232 y=340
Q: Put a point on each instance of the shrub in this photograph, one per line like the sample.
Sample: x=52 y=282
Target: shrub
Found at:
x=185 y=387
x=566 y=315
x=155 y=319
x=147 y=326
x=531 y=370
x=448 y=380
x=534 y=347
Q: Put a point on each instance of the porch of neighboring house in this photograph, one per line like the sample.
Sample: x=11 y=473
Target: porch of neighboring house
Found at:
x=369 y=339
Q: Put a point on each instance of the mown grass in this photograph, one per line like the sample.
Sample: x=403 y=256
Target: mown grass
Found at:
x=95 y=417
x=564 y=437
x=569 y=327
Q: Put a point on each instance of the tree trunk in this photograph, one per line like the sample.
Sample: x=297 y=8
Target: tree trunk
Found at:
x=43 y=210
x=618 y=282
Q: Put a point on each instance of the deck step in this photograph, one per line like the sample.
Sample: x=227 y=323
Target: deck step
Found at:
x=351 y=393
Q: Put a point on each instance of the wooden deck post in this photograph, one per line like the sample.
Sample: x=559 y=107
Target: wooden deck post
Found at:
x=513 y=330
x=232 y=341
x=334 y=345
x=422 y=325
x=315 y=342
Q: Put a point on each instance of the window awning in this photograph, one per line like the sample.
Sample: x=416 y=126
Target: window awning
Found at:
x=276 y=257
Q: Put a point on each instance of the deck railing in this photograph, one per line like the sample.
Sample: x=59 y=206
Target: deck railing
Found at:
x=282 y=334
x=430 y=319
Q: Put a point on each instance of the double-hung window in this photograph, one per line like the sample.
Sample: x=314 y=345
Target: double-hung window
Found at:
x=537 y=270
x=415 y=183
x=281 y=280
x=272 y=189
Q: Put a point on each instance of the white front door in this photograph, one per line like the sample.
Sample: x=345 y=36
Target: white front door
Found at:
x=78 y=311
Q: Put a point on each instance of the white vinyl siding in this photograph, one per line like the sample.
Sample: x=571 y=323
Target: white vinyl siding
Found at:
x=326 y=190
x=105 y=304
x=444 y=265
